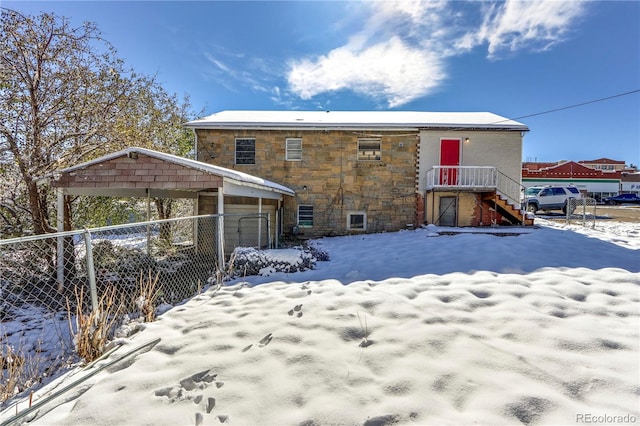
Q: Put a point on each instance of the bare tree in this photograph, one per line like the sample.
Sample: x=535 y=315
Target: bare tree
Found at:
x=61 y=93
x=65 y=97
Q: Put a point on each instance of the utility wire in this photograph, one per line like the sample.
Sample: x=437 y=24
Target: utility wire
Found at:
x=570 y=106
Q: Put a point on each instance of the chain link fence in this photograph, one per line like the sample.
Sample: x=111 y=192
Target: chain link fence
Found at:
x=582 y=211
x=46 y=280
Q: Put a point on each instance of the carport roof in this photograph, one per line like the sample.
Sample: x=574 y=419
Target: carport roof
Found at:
x=232 y=179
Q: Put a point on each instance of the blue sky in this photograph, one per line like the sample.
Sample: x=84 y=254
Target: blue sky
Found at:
x=511 y=58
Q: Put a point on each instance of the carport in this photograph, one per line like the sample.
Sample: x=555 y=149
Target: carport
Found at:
x=144 y=173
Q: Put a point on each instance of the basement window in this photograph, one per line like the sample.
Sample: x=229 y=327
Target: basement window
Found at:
x=369 y=149
x=245 y=151
x=305 y=216
x=357 y=221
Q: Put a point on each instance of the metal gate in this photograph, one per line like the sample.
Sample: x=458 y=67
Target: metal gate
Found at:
x=582 y=211
x=253 y=231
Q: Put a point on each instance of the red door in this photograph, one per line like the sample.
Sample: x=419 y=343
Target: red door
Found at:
x=449 y=156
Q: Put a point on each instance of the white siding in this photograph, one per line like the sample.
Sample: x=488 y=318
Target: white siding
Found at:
x=502 y=150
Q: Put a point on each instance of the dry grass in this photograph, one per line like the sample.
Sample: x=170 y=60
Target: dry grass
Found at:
x=148 y=298
x=18 y=369
x=12 y=370
x=93 y=329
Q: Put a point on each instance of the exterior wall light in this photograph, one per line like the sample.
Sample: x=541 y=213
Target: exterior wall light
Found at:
x=466 y=140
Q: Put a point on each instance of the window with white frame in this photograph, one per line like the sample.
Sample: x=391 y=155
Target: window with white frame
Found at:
x=369 y=149
x=357 y=221
x=293 y=149
x=305 y=216
x=245 y=151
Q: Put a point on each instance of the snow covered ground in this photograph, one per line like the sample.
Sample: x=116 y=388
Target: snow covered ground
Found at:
x=414 y=327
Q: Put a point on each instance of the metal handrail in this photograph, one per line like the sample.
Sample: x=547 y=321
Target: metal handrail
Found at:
x=510 y=188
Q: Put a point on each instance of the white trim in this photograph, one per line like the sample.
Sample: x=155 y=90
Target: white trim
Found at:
x=356 y=213
x=286 y=149
x=298 y=216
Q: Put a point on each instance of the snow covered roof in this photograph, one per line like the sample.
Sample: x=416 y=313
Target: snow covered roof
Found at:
x=356 y=119
x=233 y=175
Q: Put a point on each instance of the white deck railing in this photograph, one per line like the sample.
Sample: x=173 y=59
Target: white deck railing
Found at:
x=463 y=177
x=473 y=178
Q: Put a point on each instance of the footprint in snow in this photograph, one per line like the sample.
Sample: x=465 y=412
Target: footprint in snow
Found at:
x=265 y=340
x=297 y=311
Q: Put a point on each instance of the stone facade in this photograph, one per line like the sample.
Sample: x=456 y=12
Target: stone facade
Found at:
x=329 y=176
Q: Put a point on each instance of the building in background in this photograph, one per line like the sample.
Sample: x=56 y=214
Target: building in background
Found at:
x=597 y=179
x=605 y=164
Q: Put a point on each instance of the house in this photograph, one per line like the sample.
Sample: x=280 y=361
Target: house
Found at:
x=364 y=171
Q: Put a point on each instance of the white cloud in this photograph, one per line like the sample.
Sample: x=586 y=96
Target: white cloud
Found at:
x=232 y=74
x=216 y=62
x=400 y=52
x=384 y=60
x=517 y=25
x=391 y=70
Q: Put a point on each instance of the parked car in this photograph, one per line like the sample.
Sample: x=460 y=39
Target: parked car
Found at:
x=623 y=199
x=549 y=198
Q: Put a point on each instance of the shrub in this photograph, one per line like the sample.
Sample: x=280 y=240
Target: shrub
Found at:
x=249 y=261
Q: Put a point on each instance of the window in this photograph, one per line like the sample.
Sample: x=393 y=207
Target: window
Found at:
x=357 y=221
x=294 y=149
x=305 y=216
x=245 y=151
x=573 y=190
x=369 y=149
x=558 y=191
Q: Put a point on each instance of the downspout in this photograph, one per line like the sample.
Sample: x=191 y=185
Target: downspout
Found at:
x=195 y=145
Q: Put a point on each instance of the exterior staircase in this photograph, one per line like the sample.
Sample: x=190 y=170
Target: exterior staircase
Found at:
x=506 y=208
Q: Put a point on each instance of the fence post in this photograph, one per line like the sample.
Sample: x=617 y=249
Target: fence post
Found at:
x=91 y=272
x=60 y=240
x=220 y=229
